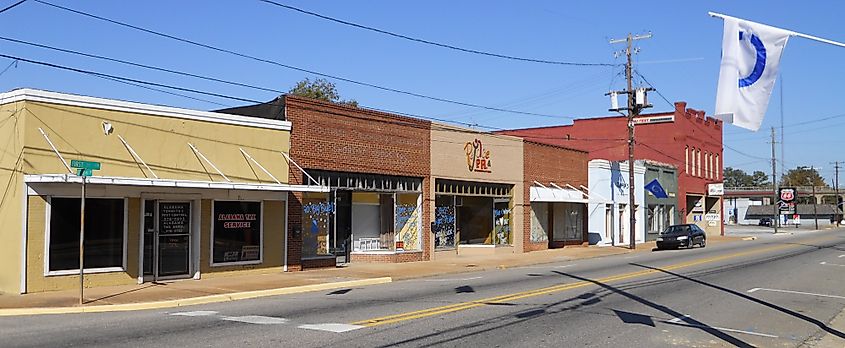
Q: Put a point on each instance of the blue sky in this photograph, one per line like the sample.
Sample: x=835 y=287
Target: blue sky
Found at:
x=681 y=60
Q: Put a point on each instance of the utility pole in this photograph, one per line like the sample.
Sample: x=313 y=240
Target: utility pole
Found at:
x=636 y=102
x=775 y=207
x=836 y=191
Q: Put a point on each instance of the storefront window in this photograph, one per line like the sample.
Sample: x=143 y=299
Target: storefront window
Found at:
x=568 y=222
x=501 y=221
x=317 y=214
x=407 y=221
x=539 y=222
x=237 y=231
x=104 y=220
x=444 y=221
x=372 y=221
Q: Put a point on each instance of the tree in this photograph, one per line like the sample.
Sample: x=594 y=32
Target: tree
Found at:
x=759 y=179
x=739 y=178
x=802 y=176
x=735 y=177
x=321 y=89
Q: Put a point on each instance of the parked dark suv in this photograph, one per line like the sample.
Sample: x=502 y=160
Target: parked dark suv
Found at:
x=687 y=235
x=765 y=222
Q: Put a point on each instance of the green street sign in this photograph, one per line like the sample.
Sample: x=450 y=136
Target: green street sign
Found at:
x=85 y=165
x=83 y=172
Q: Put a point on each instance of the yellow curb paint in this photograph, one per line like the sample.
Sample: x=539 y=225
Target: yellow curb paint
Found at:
x=193 y=300
x=557 y=288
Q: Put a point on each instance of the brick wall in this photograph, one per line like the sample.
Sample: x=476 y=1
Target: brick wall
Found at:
x=547 y=163
x=334 y=137
x=389 y=258
x=605 y=138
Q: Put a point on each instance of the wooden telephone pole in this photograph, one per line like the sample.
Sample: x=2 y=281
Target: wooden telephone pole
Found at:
x=636 y=102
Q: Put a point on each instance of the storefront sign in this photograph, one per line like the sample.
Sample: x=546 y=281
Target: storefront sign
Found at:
x=711 y=217
x=478 y=158
x=173 y=217
x=237 y=231
x=716 y=189
x=654 y=119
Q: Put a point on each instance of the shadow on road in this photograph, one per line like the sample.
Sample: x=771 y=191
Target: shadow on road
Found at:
x=787 y=311
x=692 y=322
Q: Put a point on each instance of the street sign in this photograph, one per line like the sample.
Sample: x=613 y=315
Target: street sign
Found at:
x=85 y=165
x=84 y=172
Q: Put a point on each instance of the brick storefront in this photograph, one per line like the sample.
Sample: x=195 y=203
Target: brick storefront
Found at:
x=550 y=164
x=339 y=138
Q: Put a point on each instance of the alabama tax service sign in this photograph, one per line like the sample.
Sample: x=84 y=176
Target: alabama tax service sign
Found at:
x=237 y=231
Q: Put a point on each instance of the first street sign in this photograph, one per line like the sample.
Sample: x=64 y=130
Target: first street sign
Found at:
x=85 y=165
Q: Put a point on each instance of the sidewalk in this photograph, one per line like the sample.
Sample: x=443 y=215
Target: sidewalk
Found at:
x=229 y=288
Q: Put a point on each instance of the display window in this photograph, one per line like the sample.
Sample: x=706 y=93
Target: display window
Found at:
x=317 y=216
x=104 y=234
x=237 y=232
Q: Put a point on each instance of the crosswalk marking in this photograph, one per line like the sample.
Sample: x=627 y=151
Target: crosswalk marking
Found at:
x=331 y=327
x=256 y=319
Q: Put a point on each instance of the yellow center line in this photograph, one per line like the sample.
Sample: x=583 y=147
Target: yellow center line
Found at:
x=560 y=287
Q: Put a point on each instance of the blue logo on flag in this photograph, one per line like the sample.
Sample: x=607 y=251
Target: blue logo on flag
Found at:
x=655 y=189
x=759 y=62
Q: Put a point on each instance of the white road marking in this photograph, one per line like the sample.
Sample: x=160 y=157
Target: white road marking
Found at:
x=678 y=321
x=331 y=327
x=256 y=319
x=830 y=264
x=797 y=293
x=195 y=313
x=841 y=256
x=449 y=280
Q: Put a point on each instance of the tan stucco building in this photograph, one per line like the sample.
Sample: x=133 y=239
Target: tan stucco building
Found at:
x=478 y=178
x=179 y=194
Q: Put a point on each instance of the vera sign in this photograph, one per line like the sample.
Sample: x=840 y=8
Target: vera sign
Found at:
x=478 y=158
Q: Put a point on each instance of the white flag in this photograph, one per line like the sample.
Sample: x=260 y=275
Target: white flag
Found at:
x=750 y=57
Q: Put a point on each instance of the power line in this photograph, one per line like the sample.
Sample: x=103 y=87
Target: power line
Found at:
x=151 y=86
x=145 y=66
x=14 y=62
x=148 y=83
x=432 y=43
x=12 y=6
x=276 y=63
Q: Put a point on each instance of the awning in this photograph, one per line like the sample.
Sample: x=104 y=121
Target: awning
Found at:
x=146 y=182
x=550 y=194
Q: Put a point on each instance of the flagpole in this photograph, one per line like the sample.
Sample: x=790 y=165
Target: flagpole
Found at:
x=791 y=32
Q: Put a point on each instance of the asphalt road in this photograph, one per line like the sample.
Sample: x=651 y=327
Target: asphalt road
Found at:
x=780 y=291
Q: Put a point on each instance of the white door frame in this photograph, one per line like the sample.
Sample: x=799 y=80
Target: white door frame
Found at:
x=194 y=240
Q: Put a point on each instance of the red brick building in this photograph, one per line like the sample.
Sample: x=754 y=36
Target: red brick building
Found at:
x=685 y=138
x=546 y=164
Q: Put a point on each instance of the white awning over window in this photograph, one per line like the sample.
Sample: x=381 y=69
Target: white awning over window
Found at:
x=551 y=194
x=146 y=182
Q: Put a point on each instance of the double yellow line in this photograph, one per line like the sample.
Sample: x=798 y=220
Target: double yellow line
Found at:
x=390 y=319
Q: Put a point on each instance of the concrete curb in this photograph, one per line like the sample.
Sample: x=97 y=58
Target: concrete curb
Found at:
x=194 y=300
x=749 y=238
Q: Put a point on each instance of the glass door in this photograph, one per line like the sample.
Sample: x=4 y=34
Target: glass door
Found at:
x=174 y=239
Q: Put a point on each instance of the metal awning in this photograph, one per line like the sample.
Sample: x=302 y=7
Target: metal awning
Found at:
x=556 y=194
x=147 y=182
